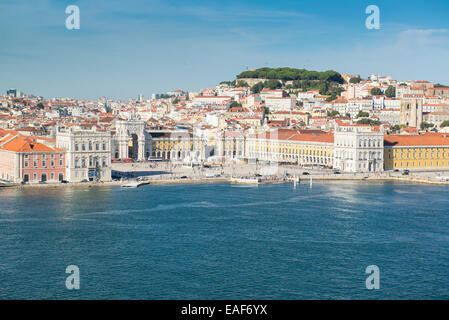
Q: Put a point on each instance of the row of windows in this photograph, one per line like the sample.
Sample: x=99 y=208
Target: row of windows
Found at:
x=362 y=143
x=43 y=177
x=93 y=162
x=43 y=163
x=42 y=156
x=90 y=146
x=415 y=153
x=418 y=164
x=320 y=152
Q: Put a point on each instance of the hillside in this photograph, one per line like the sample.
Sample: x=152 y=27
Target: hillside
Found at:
x=291 y=74
x=328 y=82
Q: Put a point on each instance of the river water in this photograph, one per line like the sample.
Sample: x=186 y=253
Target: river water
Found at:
x=221 y=241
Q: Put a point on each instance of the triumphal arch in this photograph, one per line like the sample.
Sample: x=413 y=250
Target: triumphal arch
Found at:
x=131 y=140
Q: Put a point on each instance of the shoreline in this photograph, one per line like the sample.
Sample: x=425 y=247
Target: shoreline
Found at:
x=304 y=180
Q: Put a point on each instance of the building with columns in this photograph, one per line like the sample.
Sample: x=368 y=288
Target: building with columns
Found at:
x=358 y=148
x=88 y=153
x=131 y=140
x=178 y=145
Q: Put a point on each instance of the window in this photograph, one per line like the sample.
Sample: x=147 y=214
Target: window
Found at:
x=97 y=147
x=35 y=176
x=52 y=175
x=83 y=147
x=76 y=147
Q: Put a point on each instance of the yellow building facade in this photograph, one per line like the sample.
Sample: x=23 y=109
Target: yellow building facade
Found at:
x=428 y=151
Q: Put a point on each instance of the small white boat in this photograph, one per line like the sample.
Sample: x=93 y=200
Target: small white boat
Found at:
x=246 y=180
x=133 y=184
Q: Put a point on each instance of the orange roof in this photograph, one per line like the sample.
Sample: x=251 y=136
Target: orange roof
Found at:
x=20 y=143
x=427 y=139
x=296 y=135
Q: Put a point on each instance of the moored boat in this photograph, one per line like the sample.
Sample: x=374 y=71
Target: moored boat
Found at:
x=246 y=180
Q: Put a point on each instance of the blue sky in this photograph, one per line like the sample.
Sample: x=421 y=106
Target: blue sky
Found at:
x=142 y=46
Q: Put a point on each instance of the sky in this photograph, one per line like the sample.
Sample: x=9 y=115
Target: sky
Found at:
x=124 y=48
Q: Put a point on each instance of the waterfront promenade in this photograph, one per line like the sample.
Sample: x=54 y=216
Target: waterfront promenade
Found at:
x=169 y=173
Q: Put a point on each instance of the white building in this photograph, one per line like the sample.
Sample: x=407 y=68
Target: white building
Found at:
x=392 y=116
x=280 y=104
x=272 y=93
x=88 y=154
x=358 y=149
x=210 y=100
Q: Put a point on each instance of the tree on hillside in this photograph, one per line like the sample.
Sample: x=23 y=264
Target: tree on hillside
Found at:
x=229 y=83
x=286 y=74
x=390 y=92
x=242 y=83
x=272 y=84
x=376 y=92
x=444 y=124
x=257 y=87
x=355 y=80
x=371 y=122
x=362 y=114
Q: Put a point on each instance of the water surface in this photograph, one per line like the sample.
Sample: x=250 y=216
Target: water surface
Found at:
x=226 y=242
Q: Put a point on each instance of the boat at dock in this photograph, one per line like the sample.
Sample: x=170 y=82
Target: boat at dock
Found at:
x=134 y=184
x=246 y=180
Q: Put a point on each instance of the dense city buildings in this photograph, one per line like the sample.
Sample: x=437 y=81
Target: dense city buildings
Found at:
x=284 y=116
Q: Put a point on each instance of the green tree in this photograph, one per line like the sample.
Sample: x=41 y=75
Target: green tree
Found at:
x=426 y=125
x=235 y=104
x=390 y=92
x=242 y=83
x=355 y=79
x=257 y=87
x=371 y=122
x=333 y=113
x=272 y=84
x=266 y=110
x=362 y=114
x=376 y=92
x=229 y=83
x=444 y=124
x=287 y=74
x=396 y=127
